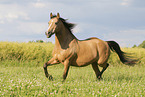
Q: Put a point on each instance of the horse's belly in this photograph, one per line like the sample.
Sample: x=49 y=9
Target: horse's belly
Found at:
x=83 y=62
x=85 y=58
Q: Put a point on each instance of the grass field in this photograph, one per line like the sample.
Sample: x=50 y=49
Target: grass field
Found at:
x=30 y=81
x=22 y=75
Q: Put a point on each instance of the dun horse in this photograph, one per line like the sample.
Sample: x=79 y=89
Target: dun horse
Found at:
x=70 y=51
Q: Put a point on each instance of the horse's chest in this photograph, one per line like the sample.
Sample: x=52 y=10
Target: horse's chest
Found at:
x=61 y=55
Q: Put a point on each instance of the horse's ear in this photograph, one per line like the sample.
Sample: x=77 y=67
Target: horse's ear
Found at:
x=58 y=16
x=51 y=15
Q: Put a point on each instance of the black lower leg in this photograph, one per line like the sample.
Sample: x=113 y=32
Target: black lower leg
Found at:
x=65 y=72
x=104 y=68
x=46 y=73
x=45 y=70
x=65 y=75
x=96 y=69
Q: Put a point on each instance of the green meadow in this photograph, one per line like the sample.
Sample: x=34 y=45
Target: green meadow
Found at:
x=22 y=75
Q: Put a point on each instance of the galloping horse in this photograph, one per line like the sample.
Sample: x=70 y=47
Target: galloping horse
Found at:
x=70 y=51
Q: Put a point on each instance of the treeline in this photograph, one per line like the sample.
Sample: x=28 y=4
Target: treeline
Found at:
x=142 y=45
x=38 y=41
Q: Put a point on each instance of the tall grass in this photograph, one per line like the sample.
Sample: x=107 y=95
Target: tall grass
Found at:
x=42 y=52
x=134 y=53
x=25 y=51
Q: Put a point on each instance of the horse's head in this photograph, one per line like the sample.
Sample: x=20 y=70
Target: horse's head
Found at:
x=53 y=25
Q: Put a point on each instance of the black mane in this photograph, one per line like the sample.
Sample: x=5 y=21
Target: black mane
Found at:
x=68 y=25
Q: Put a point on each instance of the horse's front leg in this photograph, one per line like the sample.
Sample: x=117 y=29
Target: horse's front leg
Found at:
x=49 y=63
x=66 y=69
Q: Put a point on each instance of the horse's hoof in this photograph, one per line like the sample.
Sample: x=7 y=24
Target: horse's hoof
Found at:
x=63 y=81
x=50 y=77
x=46 y=75
x=99 y=78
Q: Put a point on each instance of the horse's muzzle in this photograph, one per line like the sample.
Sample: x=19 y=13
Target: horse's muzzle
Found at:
x=48 y=34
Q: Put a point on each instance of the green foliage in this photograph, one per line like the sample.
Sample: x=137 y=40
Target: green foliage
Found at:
x=25 y=51
x=135 y=53
x=142 y=45
x=39 y=41
x=134 y=46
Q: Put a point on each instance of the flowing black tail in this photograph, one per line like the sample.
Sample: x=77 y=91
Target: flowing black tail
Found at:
x=122 y=55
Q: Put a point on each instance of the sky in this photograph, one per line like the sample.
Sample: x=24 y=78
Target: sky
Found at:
x=120 y=20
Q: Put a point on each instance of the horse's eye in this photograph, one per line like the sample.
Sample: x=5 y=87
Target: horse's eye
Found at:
x=56 y=23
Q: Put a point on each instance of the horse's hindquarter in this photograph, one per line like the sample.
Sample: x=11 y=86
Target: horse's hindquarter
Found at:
x=104 y=52
x=92 y=50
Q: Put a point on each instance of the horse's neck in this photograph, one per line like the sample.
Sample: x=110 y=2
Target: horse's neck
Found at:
x=63 y=39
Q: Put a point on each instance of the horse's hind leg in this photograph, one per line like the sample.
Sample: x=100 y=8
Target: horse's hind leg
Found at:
x=104 y=68
x=96 y=69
